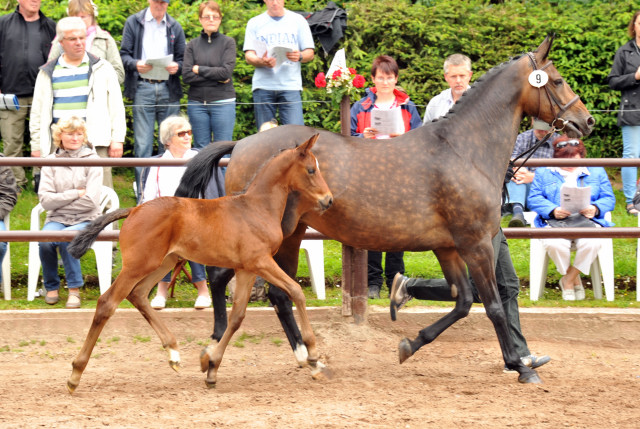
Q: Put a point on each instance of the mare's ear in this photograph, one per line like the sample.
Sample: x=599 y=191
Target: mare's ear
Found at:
x=543 y=50
x=305 y=147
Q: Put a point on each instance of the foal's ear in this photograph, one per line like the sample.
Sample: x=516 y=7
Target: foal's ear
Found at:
x=545 y=47
x=305 y=147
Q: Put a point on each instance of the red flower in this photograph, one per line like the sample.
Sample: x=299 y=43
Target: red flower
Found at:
x=336 y=74
x=358 y=81
x=352 y=71
x=321 y=81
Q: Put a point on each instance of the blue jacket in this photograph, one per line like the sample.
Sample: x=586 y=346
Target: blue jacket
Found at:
x=131 y=53
x=544 y=195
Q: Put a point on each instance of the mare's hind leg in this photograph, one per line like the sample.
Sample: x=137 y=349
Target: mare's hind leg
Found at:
x=218 y=280
x=212 y=355
x=456 y=274
x=106 y=306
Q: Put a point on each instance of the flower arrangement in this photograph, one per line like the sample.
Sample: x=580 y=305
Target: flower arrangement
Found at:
x=343 y=81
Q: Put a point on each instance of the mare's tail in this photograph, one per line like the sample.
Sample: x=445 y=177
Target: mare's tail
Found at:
x=81 y=242
x=200 y=170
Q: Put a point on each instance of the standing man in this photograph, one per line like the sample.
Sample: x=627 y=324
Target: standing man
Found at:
x=151 y=34
x=25 y=41
x=457 y=73
x=80 y=84
x=276 y=42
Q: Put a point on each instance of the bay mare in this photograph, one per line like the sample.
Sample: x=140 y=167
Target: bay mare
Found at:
x=242 y=232
x=437 y=187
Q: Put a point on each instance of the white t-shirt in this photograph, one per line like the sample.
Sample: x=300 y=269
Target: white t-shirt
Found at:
x=163 y=181
x=266 y=32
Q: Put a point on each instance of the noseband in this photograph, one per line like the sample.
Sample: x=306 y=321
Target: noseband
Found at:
x=550 y=97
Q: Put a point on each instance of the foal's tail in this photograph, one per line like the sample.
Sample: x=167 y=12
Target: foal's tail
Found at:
x=81 y=242
x=201 y=168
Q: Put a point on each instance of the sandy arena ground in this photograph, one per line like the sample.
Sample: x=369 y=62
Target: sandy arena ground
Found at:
x=592 y=382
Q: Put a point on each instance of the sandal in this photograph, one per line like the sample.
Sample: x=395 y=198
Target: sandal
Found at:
x=632 y=210
x=51 y=300
x=73 y=301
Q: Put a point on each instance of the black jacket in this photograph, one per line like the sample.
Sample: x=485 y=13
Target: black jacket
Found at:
x=8 y=191
x=622 y=78
x=16 y=77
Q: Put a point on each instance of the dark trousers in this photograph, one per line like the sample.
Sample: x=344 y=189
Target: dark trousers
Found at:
x=394 y=263
x=508 y=287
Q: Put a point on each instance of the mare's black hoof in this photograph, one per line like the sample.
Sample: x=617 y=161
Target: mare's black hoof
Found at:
x=404 y=350
x=530 y=377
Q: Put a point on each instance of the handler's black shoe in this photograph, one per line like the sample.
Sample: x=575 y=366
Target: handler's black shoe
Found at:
x=517 y=221
x=374 y=292
x=532 y=361
x=399 y=295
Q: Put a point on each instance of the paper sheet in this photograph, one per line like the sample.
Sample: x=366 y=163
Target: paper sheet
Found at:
x=387 y=121
x=339 y=62
x=574 y=199
x=280 y=54
x=158 y=72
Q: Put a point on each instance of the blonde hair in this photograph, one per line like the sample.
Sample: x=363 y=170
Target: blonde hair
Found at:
x=67 y=125
x=77 y=7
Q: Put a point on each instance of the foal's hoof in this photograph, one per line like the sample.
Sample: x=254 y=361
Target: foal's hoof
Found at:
x=205 y=358
x=211 y=384
x=404 y=350
x=530 y=377
x=321 y=372
x=71 y=387
x=175 y=365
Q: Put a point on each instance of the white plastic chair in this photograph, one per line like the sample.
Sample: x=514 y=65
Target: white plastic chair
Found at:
x=6 y=265
x=103 y=249
x=638 y=266
x=314 y=251
x=601 y=268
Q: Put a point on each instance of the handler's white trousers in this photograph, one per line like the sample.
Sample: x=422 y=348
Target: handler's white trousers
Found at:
x=559 y=250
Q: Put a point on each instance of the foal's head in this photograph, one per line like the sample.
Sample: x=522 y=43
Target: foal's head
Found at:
x=304 y=177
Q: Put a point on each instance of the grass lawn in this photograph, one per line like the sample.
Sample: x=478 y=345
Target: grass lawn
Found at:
x=418 y=264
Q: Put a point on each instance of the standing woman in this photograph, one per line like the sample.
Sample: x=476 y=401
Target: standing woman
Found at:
x=99 y=42
x=71 y=197
x=208 y=66
x=625 y=77
x=384 y=95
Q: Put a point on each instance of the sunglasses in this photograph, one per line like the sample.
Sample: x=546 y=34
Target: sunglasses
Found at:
x=568 y=142
x=183 y=133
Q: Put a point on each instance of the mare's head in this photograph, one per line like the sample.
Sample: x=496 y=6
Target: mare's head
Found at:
x=550 y=98
x=305 y=178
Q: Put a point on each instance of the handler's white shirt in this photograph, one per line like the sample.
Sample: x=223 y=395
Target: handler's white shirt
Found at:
x=163 y=181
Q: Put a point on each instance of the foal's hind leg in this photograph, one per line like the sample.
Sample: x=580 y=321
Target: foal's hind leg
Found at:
x=455 y=272
x=218 y=280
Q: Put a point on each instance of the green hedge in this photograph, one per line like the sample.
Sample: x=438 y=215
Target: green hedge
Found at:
x=420 y=35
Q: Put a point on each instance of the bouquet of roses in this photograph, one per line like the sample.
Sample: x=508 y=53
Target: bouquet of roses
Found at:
x=343 y=81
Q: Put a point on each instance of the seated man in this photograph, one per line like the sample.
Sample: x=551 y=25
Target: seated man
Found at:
x=518 y=187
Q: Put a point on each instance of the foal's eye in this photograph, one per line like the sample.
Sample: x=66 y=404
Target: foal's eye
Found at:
x=311 y=171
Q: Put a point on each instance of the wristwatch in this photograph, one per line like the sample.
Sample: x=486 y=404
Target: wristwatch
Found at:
x=300 y=60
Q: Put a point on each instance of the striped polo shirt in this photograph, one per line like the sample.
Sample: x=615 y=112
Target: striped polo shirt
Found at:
x=70 y=89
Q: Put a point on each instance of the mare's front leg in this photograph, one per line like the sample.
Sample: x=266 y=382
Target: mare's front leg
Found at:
x=485 y=281
x=456 y=274
x=211 y=356
x=219 y=278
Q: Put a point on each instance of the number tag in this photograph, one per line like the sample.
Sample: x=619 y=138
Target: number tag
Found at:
x=538 y=78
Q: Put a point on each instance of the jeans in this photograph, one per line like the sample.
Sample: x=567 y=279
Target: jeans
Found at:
x=151 y=105
x=518 y=193
x=630 y=149
x=393 y=264
x=211 y=118
x=49 y=259
x=3 y=248
x=197 y=273
x=268 y=102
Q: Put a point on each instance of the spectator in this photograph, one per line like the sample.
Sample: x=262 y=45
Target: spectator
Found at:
x=28 y=28
x=151 y=34
x=457 y=73
x=519 y=185
x=175 y=134
x=277 y=82
x=384 y=95
x=8 y=198
x=209 y=61
x=79 y=84
x=99 y=42
x=544 y=199
x=625 y=77
x=71 y=197
x=403 y=288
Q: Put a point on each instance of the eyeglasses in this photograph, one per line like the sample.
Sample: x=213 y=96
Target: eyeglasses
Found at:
x=183 y=133
x=211 y=17
x=568 y=142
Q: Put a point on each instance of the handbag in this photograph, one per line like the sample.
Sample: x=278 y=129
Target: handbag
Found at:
x=575 y=220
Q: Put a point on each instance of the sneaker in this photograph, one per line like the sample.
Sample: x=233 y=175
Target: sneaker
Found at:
x=533 y=361
x=517 y=221
x=158 y=302
x=567 y=294
x=203 y=301
x=399 y=295
x=579 y=292
x=374 y=292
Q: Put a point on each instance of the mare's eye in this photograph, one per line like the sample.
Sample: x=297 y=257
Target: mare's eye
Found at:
x=558 y=81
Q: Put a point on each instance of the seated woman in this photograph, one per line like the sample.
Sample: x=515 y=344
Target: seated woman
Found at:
x=544 y=199
x=175 y=135
x=71 y=197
